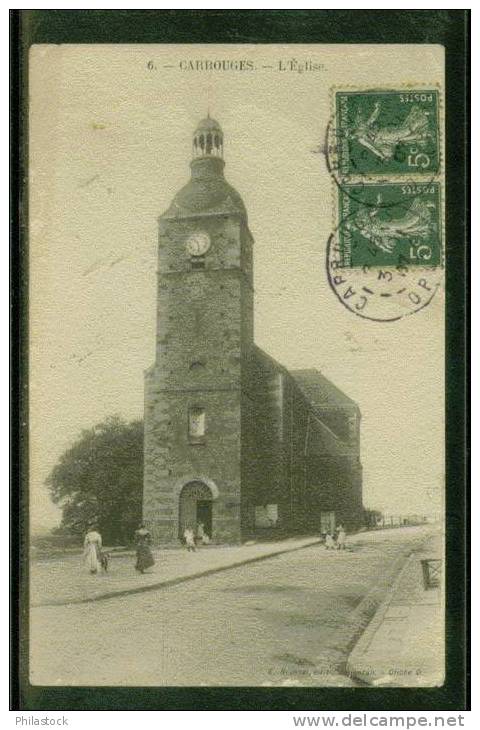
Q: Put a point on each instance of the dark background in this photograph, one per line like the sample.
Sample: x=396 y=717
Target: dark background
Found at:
x=449 y=28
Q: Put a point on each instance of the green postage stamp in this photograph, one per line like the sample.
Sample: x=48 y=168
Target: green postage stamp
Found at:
x=387 y=132
x=390 y=224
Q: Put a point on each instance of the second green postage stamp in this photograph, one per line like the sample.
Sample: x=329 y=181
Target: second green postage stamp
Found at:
x=390 y=224
x=387 y=132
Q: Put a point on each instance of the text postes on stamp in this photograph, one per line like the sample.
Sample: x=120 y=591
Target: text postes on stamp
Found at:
x=390 y=224
x=387 y=132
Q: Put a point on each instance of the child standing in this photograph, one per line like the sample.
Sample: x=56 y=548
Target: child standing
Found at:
x=189 y=539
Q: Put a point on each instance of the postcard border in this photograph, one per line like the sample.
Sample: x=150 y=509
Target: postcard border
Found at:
x=449 y=28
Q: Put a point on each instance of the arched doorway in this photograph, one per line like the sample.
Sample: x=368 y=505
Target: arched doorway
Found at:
x=195 y=507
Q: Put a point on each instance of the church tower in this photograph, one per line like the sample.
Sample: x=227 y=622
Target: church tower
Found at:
x=204 y=337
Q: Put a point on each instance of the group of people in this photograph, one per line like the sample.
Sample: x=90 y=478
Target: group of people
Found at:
x=96 y=559
x=336 y=539
x=192 y=540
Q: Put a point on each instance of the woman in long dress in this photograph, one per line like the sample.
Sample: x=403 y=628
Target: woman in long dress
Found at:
x=144 y=554
x=92 y=546
x=341 y=537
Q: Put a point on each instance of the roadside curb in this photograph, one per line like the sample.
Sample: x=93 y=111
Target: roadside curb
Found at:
x=364 y=613
x=176 y=581
x=403 y=644
x=354 y=661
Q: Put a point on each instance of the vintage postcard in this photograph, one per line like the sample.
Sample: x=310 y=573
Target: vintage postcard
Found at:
x=237 y=357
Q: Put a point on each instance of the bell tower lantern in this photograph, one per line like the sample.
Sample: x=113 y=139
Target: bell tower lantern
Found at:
x=208 y=139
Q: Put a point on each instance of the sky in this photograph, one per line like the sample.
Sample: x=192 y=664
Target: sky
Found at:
x=110 y=145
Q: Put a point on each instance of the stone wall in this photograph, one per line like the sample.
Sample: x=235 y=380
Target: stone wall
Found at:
x=262 y=457
x=171 y=460
x=290 y=457
x=204 y=326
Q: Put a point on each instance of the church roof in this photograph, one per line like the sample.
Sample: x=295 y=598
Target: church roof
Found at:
x=208 y=124
x=319 y=390
x=206 y=195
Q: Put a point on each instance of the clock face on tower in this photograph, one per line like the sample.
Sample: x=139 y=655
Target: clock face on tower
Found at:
x=198 y=243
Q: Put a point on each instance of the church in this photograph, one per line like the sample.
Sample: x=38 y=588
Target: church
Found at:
x=233 y=440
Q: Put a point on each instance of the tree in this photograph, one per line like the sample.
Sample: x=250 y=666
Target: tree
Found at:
x=99 y=480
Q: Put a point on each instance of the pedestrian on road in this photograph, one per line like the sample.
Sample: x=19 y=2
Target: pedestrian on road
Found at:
x=144 y=554
x=341 y=537
x=329 y=542
x=92 y=548
x=189 y=539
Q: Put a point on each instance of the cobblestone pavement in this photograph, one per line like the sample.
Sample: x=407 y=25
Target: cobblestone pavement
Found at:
x=289 y=620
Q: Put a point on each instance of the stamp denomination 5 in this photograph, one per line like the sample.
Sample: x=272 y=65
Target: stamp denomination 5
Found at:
x=390 y=224
x=387 y=132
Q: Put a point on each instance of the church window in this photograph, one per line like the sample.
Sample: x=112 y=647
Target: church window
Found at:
x=209 y=144
x=196 y=425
